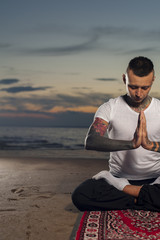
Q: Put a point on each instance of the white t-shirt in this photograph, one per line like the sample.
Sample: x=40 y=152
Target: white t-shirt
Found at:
x=135 y=164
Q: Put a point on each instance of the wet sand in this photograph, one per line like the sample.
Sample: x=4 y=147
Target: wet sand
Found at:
x=35 y=199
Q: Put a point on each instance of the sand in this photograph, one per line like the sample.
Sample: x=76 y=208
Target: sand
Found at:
x=35 y=199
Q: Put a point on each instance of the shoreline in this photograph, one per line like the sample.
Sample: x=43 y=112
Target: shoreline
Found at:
x=53 y=153
x=35 y=200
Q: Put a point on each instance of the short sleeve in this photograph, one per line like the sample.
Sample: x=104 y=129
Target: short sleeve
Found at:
x=104 y=112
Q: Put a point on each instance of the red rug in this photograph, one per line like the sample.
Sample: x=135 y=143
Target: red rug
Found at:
x=119 y=224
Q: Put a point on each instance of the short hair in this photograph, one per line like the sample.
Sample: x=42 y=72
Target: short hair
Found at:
x=141 y=66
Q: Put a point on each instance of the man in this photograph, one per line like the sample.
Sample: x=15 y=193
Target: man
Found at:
x=132 y=122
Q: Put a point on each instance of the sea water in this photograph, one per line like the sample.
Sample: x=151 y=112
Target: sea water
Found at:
x=18 y=138
x=44 y=142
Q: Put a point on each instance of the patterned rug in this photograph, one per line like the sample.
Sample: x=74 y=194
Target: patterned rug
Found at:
x=119 y=224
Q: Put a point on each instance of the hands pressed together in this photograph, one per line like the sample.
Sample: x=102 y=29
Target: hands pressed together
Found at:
x=140 y=135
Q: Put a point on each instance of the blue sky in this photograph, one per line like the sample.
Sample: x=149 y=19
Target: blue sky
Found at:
x=60 y=60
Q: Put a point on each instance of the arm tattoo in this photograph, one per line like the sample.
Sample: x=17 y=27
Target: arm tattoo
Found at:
x=156 y=147
x=95 y=139
x=99 y=126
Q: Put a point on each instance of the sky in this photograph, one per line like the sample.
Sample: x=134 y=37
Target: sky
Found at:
x=60 y=60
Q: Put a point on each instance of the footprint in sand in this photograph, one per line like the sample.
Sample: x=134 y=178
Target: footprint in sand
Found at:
x=24 y=192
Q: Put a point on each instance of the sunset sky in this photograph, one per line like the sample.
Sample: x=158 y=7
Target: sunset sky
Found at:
x=61 y=59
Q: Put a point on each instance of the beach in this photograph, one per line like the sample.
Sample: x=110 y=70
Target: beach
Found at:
x=35 y=200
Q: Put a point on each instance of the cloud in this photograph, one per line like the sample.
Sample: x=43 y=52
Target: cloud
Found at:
x=73 y=119
x=61 y=102
x=135 y=34
x=94 y=35
x=84 y=109
x=125 y=32
x=142 y=50
x=66 y=50
x=113 y=31
x=107 y=79
x=98 y=31
x=59 y=110
x=81 y=88
x=8 y=81
x=23 y=89
x=5 y=45
x=81 y=99
x=62 y=119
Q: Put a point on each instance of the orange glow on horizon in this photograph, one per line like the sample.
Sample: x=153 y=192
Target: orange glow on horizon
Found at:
x=57 y=109
x=85 y=109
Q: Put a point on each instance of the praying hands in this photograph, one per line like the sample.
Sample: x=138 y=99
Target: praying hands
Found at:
x=141 y=136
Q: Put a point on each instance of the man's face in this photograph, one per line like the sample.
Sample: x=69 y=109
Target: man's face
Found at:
x=138 y=87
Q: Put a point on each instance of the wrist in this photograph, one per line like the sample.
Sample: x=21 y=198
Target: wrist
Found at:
x=155 y=147
x=133 y=145
x=149 y=145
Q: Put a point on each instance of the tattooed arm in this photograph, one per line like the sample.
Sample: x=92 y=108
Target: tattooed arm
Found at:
x=95 y=139
x=153 y=146
x=146 y=143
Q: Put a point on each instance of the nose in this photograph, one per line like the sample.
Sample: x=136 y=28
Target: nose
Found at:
x=138 y=92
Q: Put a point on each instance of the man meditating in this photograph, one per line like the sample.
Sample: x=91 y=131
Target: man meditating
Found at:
x=132 y=123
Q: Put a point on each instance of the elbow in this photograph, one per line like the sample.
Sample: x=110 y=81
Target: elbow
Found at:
x=86 y=145
x=89 y=143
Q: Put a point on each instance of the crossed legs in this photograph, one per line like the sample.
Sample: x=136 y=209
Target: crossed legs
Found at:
x=99 y=194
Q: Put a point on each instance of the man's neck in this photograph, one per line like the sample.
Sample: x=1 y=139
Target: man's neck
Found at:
x=138 y=107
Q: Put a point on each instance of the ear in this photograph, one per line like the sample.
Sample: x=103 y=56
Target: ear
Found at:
x=153 y=78
x=124 y=78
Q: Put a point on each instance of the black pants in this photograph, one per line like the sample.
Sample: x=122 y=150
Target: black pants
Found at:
x=99 y=195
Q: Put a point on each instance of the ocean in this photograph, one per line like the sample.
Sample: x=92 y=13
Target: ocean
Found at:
x=44 y=142
x=27 y=138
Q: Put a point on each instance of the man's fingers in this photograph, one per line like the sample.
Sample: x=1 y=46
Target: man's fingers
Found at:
x=144 y=122
x=139 y=121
